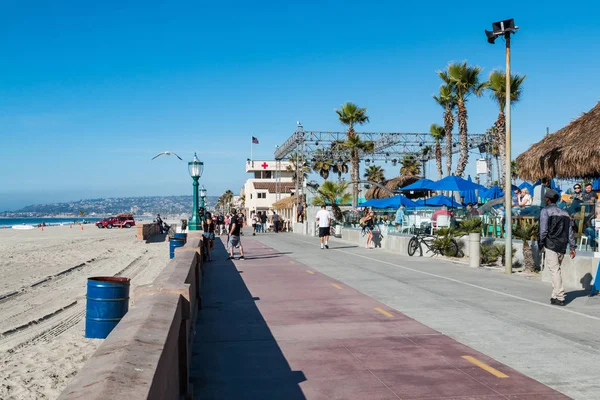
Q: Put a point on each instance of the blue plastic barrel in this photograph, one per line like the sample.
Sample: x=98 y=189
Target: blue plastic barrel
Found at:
x=173 y=244
x=107 y=303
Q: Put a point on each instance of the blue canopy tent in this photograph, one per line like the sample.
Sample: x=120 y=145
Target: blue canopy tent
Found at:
x=418 y=185
x=492 y=193
x=438 y=201
x=469 y=196
x=596 y=184
x=389 y=202
x=454 y=184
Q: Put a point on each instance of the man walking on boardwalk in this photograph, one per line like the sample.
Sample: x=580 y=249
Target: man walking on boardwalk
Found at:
x=324 y=220
x=556 y=233
x=235 y=226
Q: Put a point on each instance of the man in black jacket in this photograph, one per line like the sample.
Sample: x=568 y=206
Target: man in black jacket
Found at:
x=556 y=234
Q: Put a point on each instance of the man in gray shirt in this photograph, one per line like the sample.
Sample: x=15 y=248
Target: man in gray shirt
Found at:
x=556 y=234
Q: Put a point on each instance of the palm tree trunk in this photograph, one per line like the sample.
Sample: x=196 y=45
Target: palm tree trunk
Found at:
x=354 y=175
x=501 y=140
x=438 y=158
x=528 y=262
x=448 y=125
x=463 y=159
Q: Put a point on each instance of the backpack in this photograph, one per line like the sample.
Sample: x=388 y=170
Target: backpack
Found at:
x=363 y=222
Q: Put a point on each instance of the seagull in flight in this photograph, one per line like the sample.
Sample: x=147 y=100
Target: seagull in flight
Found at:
x=168 y=153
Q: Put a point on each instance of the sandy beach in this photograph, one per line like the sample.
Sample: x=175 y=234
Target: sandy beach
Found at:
x=42 y=299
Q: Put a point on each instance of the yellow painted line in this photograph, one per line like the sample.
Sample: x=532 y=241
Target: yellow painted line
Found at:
x=486 y=367
x=381 y=310
x=310 y=272
x=335 y=285
x=291 y=262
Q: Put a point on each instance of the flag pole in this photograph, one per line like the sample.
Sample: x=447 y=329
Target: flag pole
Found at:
x=251 y=147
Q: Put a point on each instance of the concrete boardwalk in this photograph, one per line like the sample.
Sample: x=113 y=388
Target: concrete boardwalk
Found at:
x=274 y=328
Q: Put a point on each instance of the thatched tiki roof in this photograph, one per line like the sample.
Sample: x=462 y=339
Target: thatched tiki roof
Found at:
x=375 y=192
x=572 y=152
x=284 y=204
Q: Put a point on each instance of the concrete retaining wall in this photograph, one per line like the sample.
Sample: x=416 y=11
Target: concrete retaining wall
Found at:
x=148 y=354
x=577 y=273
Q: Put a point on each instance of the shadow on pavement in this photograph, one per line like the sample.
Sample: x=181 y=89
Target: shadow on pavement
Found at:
x=235 y=356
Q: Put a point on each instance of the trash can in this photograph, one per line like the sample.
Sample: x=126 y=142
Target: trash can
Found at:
x=107 y=302
x=173 y=244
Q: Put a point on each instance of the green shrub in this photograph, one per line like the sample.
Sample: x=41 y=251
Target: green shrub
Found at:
x=470 y=225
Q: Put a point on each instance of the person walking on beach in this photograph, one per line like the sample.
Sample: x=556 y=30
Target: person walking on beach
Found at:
x=556 y=233
x=208 y=227
x=159 y=221
x=235 y=226
x=324 y=219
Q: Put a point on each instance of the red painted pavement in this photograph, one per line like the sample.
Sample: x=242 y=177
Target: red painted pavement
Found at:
x=271 y=330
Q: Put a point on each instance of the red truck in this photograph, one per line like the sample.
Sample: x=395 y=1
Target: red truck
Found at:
x=121 y=220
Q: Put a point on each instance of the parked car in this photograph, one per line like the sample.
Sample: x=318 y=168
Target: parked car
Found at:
x=121 y=220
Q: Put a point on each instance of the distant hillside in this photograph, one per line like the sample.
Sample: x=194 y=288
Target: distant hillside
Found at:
x=102 y=207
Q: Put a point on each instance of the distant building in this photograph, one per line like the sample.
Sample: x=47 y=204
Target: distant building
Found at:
x=263 y=188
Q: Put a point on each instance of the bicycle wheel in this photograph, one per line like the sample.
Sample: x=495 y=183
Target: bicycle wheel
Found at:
x=452 y=249
x=413 y=245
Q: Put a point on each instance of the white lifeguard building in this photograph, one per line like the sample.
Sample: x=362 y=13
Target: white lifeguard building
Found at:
x=270 y=182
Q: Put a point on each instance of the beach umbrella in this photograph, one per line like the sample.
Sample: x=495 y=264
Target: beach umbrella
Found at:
x=527 y=185
x=438 y=201
x=454 y=184
x=397 y=201
x=389 y=202
x=596 y=184
x=469 y=196
x=492 y=193
x=418 y=185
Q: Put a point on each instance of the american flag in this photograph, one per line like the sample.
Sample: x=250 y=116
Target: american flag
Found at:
x=254 y=140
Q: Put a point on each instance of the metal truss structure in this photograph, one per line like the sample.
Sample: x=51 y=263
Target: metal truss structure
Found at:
x=389 y=146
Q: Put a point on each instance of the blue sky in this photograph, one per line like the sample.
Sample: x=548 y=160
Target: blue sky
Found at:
x=90 y=92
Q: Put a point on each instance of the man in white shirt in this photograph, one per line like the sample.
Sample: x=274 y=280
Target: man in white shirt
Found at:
x=324 y=220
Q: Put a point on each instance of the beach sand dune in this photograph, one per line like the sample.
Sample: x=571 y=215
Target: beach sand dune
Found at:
x=42 y=299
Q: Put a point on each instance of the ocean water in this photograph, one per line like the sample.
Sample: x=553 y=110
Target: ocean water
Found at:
x=9 y=222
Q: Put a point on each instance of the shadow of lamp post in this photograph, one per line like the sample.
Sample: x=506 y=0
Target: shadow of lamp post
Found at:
x=195 y=167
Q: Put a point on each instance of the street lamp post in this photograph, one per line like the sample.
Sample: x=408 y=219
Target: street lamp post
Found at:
x=506 y=28
x=202 y=197
x=195 y=167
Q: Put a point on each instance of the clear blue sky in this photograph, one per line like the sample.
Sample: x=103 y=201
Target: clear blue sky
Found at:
x=90 y=91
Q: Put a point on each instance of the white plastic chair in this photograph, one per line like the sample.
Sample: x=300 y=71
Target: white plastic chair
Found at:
x=443 y=221
x=581 y=240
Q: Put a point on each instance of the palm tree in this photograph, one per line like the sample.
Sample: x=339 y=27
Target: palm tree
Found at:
x=437 y=132
x=410 y=166
x=303 y=167
x=356 y=147
x=497 y=86
x=333 y=193
x=340 y=159
x=374 y=173
x=322 y=163
x=465 y=82
x=226 y=199
x=526 y=233
x=514 y=170
x=447 y=100
x=350 y=114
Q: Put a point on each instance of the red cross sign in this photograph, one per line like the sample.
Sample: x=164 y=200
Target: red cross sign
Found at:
x=264 y=165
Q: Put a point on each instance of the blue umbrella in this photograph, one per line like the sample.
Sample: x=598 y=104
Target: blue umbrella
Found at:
x=418 y=185
x=397 y=201
x=390 y=202
x=454 y=184
x=438 y=201
x=596 y=184
x=492 y=193
x=527 y=185
x=469 y=196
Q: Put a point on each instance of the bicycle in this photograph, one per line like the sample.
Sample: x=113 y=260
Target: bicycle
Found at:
x=433 y=244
